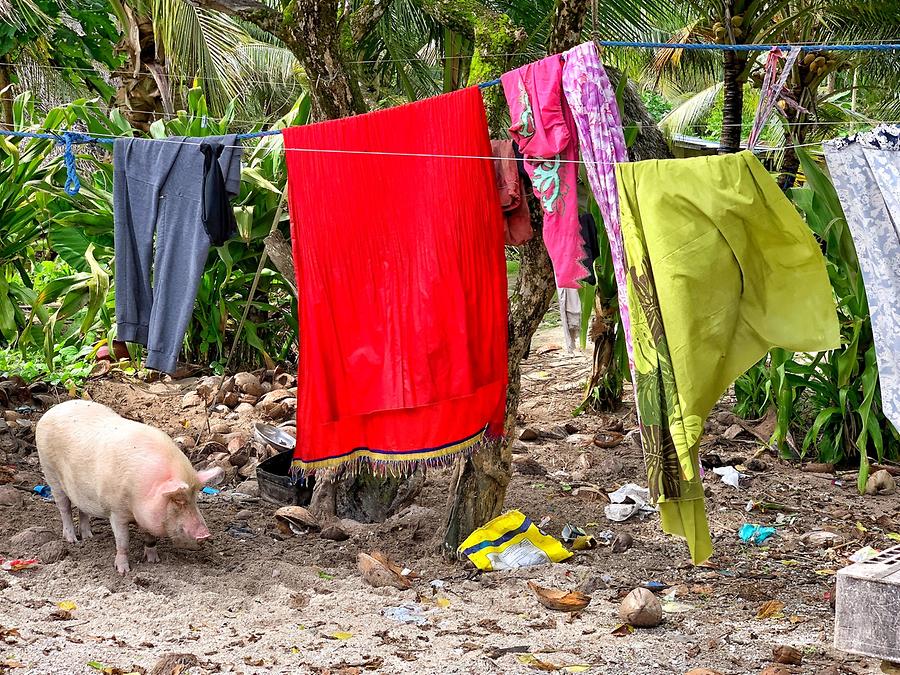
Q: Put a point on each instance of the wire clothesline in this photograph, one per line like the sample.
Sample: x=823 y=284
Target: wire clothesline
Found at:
x=68 y=139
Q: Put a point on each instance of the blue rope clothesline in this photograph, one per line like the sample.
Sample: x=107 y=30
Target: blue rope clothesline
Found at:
x=68 y=139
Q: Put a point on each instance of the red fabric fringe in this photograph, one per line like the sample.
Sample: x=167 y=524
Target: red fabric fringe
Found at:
x=402 y=284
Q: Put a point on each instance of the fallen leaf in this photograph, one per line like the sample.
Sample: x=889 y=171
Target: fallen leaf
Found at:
x=534 y=662
x=67 y=606
x=861 y=527
x=562 y=601
x=622 y=630
x=577 y=668
x=325 y=575
x=443 y=603
x=341 y=635
x=11 y=664
x=893 y=535
x=825 y=573
x=770 y=610
x=256 y=663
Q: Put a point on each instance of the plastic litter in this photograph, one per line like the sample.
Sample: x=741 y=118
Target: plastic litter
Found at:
x=863 y=554
x=210 y=490
x=411 y=612
x=730 y=475
x=44 y=492
x=18 y=564
x=511 y=541
x=627 y=501
x=755 y=534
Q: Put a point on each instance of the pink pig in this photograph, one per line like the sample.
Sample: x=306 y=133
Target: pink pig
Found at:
x=107 y=466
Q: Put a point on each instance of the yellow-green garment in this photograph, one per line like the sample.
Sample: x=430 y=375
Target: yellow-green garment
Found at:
x=721 y=268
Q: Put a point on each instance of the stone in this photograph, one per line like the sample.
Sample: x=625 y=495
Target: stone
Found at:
x=334 y=532
x=52 y=552
x=191 y=400
x=529 y=434
x=249 y=488
x=30 y=540
x=9 y=496
x=244 y=514
x=244 y=380
x=558 y=433
x=220 y=428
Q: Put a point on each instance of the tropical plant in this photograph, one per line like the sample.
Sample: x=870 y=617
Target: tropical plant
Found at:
x=831 y=400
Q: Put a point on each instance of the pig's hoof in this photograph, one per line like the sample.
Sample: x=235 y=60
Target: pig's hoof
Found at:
x=150 y=555
x=122 y=566
x=86 y=533
x=70 y=536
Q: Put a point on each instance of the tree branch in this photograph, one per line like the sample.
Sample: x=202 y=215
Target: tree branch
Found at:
x=364 y=19
x=257 y=13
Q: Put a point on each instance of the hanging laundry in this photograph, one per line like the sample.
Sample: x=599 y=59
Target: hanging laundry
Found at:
x=721 y=268
x=596 y=113
x=512 y=194
x=592 y=245
x=402 y=283
x=544 y=131
x=570 y=316
x=865 y=169
x=175 y=191
x=771 y=90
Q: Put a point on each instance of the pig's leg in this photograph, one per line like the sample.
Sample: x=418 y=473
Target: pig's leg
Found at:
x=120 y=532
x=64 y=504
x=84 y=525
x=150 y=554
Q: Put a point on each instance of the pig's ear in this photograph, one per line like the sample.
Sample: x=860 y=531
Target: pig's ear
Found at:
x=210 y=475
x=171 y=486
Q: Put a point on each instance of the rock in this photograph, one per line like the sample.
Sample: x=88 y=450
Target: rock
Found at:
x=275 y=396
x=528 y=467
x=733 y=432
x=529 y=434
x=334 y=532
x=185 y=442
x=220 y=428
x=757 y=465
x=702 y=671
x=9 y=496
x=244 y=408
x=228 y=385
x=787 y=655
x=249 y=469
x=641 y=608
x=776 y=670
x=11 y=415
x=245 y=381
x=558 y=433
x=231 y=399
x=881 y=483
x=22 y=423
x=245 y=514
x=572 y=428
x=593 y=584
x=821 y=539
x=249 y=488
x=622 y=542
x=52 y=552
x=611 y=466
x=248 y=398
x=30 y=540
x=191 y=400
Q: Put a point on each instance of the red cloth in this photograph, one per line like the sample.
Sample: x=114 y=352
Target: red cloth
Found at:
x=512 y=194
x=402 y=284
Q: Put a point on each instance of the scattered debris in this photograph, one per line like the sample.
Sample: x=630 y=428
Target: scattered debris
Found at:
x=787 y=655
x=175 y=664
x=755 y=534
x=863 y=554
x=515 y=542
x=410 y=612
x=622 y=542
x=770 y=610
x=627 y=501
x=881 y=483
x=608 y=439
x=379 y=570
x=730 y=476
x=821 y=539
x=293 y=520
x=562 y=601
x=641 y=608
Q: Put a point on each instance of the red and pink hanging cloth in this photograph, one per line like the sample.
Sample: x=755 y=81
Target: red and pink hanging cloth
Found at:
x=543 y=128
x=398 y=243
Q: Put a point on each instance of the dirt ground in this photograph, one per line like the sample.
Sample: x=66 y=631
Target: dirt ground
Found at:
x=250 y=603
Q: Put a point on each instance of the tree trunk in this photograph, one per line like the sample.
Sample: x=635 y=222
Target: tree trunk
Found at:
x=733 y=110
x=312 y=32
x=143 y=90
x=6 y=95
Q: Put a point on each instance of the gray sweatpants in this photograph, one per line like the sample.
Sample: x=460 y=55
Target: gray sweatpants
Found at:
x=157 y=192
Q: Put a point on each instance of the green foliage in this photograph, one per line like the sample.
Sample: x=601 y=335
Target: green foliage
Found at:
x=56 y=251
x=72 y=367
x=656 y=105
x=831 y=400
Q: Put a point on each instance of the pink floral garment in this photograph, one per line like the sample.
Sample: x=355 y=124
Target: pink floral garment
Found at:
x=543 y=128
x=593 y=103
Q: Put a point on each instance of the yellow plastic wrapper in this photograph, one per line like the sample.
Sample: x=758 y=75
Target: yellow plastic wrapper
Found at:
x=510 y=541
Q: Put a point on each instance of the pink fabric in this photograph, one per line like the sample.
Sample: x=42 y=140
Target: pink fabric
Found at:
x=771 y=90
x=544 y=130
x=593 y=102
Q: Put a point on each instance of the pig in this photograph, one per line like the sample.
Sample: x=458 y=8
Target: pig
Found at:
x=111 y=467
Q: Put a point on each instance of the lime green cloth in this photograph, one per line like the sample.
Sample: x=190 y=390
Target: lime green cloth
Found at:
x=721 y=268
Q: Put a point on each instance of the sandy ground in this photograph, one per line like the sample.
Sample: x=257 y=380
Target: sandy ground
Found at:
x=255 y=604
